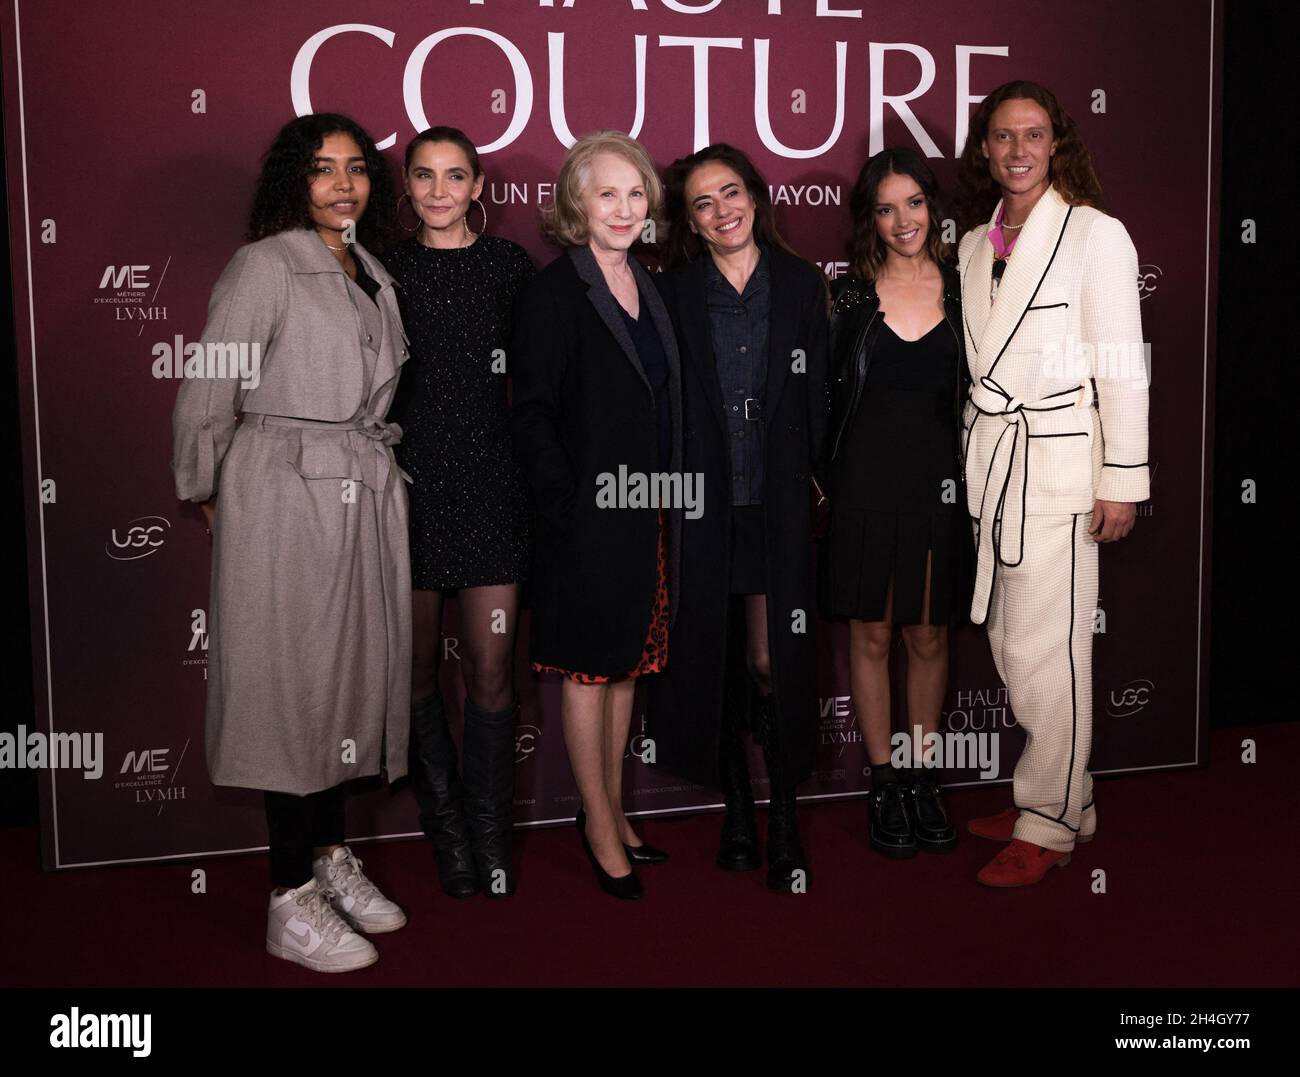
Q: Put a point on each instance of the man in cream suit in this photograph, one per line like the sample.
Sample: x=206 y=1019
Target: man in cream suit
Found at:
x=1050 y=304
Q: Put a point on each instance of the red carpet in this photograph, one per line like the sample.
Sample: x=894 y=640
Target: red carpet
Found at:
x=1200 y=877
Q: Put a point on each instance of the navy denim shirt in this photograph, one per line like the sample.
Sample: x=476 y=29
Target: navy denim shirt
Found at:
x=739 y=324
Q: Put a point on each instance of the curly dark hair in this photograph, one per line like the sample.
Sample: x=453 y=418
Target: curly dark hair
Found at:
x=683 y=245
x=866 y=250
x=1071 y=166
x=281 y=199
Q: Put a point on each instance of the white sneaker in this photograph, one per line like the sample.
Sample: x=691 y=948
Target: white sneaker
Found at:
x=354 y=897
x=302 y=926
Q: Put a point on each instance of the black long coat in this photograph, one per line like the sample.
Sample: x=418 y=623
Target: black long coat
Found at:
x=582 y=407
x=686 y=702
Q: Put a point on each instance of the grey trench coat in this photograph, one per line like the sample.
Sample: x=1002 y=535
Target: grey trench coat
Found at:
x=309 y=652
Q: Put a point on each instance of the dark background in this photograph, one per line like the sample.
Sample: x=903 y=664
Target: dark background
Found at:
x=1253 y=357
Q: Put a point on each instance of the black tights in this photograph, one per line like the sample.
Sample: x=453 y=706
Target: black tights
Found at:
x=747 y=667
x=486 y=647
x=758 y=659
x=296 y=825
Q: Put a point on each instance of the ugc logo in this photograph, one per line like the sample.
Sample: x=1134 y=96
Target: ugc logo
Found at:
x=1128 y=700
x=1148 y=278
x=140 y=538
x=526 y=737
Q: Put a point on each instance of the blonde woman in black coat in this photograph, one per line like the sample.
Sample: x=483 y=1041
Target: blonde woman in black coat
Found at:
x=597 y=389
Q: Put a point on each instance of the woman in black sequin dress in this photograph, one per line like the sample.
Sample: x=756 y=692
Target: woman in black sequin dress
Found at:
x=470 y=515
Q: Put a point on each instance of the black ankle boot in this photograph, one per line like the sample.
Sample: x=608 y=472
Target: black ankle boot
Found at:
x=440 y=795
x=787 y=866
x=490 y=794
x=934 y=830
x=890 y=820
x=738 y=849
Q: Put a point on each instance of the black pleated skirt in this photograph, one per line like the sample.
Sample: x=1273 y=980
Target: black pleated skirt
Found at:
x=896 y=501
x=865 y=551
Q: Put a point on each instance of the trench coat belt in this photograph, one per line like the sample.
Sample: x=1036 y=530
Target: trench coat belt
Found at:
x=373 y=442
x=370 y=441
x=1002 y=500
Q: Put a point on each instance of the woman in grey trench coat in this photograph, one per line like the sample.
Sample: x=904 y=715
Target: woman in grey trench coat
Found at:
x=279 y=433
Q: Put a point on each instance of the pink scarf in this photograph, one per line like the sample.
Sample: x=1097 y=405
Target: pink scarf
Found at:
x=997 y=237
x=1001 y=251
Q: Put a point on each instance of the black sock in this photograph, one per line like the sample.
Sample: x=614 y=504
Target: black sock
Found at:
x=881 y=773
x=927 y=774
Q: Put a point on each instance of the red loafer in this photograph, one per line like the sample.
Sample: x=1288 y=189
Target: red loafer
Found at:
x=1002 y=827
x=1020 y=864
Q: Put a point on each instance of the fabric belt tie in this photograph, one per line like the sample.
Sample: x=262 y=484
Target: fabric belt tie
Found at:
x=320 y=455
x=1002 y=501
x=372 y=442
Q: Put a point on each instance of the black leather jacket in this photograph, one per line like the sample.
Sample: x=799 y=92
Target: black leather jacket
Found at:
x=855 y=322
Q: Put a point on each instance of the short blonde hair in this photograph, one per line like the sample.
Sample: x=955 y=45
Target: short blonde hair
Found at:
x=564 y=221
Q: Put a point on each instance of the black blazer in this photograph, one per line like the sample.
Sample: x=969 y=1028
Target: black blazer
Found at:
x=582 y=407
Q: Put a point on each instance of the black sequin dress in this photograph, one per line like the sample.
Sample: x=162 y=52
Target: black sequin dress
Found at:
x=470 y=511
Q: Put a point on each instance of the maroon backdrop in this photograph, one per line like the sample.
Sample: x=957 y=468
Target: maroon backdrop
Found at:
x=133 y=136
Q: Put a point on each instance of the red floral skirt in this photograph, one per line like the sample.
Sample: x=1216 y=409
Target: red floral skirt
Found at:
x=654 y=654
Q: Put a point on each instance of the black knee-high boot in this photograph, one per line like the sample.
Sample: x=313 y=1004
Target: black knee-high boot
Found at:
x=738 y=849
x=440 y=794
x=787 y=867
x=490 y=794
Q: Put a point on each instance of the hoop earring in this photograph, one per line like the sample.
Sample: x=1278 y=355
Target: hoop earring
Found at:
x=419 y=222
x=465 y=219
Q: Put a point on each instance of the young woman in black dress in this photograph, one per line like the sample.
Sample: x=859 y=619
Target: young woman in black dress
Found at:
x=895 y=554
x=470 y=523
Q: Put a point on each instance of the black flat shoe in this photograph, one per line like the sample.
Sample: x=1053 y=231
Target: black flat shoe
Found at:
x=890 y=822
x=934 y=830
x=627 y=887
x=645 y=853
